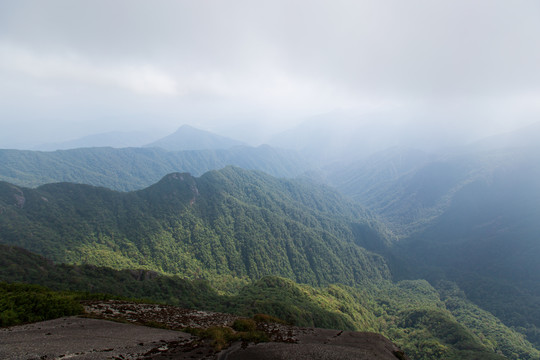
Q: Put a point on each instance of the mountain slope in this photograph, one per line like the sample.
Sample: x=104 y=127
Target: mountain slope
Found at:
x=231 y=222
x=190 y=138
x=135 y=168
x=427 y=322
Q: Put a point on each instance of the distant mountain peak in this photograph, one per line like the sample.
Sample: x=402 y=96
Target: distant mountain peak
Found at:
x=188 y=137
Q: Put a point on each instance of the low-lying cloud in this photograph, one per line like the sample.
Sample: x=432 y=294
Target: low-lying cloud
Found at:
x=68 y=66
x=475 y=64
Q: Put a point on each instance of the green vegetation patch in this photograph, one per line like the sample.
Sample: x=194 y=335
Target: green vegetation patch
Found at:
x=22 y=303
x=222 y=336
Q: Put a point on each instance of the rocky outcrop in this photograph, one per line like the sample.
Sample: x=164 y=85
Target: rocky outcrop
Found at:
x=89 y=338
x=319 y=344
x=286 y=342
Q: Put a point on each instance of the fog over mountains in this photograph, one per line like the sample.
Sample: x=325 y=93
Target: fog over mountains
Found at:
x=326 y=138
x=185 y=138
x=190 y=138
x=461 y=216
x=370 y=166
x=66 y=76
x=464 y=218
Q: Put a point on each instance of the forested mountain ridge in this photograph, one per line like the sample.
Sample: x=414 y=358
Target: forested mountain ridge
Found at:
x=136 y=168
x=231 y=222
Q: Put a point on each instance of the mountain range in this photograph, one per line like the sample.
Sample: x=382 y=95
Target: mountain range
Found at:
x=436 y=250
x=238 y=229
x=186 y=137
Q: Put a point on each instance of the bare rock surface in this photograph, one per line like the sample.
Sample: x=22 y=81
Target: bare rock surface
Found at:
x=301 y=344
x=85 y=338
x=321 y=344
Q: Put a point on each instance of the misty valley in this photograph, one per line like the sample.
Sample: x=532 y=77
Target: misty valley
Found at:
x=435 y=251
x=269 y=180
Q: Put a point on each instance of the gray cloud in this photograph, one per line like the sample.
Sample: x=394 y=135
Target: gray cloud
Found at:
x=71 y=67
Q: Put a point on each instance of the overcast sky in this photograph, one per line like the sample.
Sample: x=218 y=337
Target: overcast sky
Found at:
x=73 y=68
